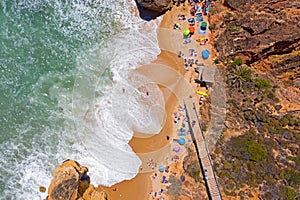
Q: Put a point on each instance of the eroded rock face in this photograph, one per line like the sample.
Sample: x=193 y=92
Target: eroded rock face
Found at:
x=71 y=182
x=155 y=5
x=64 y=185
x=261 y=31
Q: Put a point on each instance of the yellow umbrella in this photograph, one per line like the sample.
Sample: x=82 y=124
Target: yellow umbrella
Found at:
x=202 y=93
x=201 y=39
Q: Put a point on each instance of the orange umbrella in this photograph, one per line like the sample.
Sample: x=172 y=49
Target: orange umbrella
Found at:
x=191 y=29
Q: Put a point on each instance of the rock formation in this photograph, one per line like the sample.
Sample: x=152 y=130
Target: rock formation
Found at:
x=264 y=33
x=151 y=9
x=155 y=5
x=71 y=182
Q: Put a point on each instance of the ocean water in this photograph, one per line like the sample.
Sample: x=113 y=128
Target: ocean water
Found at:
x=68 y=90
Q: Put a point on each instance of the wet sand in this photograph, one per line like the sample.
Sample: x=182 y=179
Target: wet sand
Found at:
x=144 y=145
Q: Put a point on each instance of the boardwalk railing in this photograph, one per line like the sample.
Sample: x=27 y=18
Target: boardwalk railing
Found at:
x=202 y=151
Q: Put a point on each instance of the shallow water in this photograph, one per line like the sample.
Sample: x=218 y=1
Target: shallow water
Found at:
x=63 y=65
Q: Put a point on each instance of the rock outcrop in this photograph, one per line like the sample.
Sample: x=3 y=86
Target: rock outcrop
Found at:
x=155 y=5
x=264 y=33
x=71 y=182
x=151 y=9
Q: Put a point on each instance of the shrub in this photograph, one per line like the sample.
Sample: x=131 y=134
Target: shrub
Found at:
x=227 y=165
x=226 y=192
x=256 y=151
x=293 y=177
x=295 y=159
x=247 y=98
x=237 y=62
x=262 y=83
x=271 y=95
x=239 y=75
x=287 y=193
x=288 y=119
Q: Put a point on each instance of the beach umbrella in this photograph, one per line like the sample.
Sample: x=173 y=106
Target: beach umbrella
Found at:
x=203 y=26
x=191 y=20
x=199 y=18
x=205 y=54
x=202 y=93
x=161 y=168
x=176 y=149
x=181 y=141
x=191 y=29
x=186 y=32
x=201 y=39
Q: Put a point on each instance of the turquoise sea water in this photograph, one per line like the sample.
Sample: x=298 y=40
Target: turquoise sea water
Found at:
x=40 y=46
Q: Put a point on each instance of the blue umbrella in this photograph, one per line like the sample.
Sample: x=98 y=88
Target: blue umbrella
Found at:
x=205 y=54
x=161 y=168
x=181 y=141
x=191 y=20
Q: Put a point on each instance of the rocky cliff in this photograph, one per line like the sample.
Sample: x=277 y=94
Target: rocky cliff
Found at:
x=257 y=45
x=71 y=182
x=264 y=33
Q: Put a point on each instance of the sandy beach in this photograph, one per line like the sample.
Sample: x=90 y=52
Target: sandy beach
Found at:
x=142 y=186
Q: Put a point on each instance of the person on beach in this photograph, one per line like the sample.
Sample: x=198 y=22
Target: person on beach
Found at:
x=176 y=27
x=192 y=11
x=203 y=42
x=181 y=17
x=180 y=54
x=186 y=66
x=184 y=58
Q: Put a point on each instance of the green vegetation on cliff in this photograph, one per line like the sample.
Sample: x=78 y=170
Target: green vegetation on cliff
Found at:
x=266 y=154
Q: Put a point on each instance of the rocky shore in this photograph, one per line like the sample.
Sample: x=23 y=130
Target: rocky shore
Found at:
x=70 y=181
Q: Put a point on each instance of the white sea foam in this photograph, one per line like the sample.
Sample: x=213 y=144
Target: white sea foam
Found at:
x=94 y=114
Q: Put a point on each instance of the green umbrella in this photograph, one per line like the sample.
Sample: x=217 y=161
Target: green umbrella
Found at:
x=204 y=24
x=186 y=31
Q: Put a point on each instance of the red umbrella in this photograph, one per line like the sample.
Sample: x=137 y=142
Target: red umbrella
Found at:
x=191 y=29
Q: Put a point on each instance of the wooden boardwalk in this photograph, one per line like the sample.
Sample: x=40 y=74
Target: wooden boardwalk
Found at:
x=202 y=152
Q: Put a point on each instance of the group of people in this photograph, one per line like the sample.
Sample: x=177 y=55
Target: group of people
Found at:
x=200 y=7
x=189 y=62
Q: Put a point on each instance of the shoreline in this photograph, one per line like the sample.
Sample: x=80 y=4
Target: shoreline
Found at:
x=141 y=186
